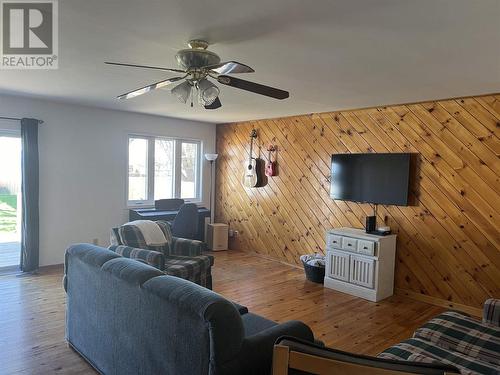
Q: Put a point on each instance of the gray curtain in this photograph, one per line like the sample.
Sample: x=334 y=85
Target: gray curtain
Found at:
x=29 y=188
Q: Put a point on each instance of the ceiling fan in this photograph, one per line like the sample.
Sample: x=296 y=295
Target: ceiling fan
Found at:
x=198 y=65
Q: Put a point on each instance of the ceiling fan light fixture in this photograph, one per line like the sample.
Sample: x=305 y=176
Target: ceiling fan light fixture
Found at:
x=182 y=91
x=207 y=92
x=197 y=64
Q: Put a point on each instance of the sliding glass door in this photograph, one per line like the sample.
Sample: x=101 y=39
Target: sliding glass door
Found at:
x=10 y=198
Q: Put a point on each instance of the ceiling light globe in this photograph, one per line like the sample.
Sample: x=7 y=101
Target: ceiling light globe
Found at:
x=209 y=95
x=182 y=91
x=208 y=92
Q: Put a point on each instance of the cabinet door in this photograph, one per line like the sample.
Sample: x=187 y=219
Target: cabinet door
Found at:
x=338 y=265
x=362 y=271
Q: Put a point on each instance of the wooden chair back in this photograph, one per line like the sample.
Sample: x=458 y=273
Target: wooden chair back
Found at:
x=293 y=356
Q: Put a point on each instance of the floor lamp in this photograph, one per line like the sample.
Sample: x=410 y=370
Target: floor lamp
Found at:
x=211 y=158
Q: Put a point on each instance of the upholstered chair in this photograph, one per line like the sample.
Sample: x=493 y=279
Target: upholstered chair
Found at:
x=179 y=257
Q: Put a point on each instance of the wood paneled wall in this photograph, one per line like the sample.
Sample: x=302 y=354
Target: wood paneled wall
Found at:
x=448 y=242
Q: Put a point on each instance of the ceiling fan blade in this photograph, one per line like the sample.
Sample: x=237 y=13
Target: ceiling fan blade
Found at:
x=253 y=87
x=145 y=89
x=216 y=104
x=229 y=67
x=145 y=67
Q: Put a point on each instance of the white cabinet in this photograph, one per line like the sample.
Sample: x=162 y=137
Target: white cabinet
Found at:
x=360 y=264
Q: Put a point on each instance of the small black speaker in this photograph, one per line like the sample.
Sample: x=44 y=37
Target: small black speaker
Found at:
x=371 y=224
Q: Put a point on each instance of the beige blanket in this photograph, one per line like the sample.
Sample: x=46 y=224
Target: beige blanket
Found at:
x=151 y=232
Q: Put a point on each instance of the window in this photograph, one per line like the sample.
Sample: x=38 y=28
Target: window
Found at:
x=137 y=169
x=162 y=168
x=189 y=164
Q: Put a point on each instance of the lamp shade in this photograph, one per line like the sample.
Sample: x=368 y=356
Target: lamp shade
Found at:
x=208 y=92
x=211 y=157
x=182 y=91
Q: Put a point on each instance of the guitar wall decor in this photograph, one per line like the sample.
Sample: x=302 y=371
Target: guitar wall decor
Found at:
x=251 y=176
x=271 y=165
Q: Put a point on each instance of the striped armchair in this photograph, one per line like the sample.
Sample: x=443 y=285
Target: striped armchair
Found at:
x=179 y=257
x=454 y=338
x=131 y=236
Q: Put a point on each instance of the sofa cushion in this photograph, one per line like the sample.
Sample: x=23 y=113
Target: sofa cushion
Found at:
x=130 y=270
x=419 y=350
x=458 y=332
x=90 y=254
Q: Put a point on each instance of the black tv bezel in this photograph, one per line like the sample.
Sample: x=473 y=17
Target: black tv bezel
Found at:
x=408 y=154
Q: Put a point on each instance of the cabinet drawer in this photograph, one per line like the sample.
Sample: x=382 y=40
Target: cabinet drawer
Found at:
x=332 y=240
x=366 y=247
x=349 y=243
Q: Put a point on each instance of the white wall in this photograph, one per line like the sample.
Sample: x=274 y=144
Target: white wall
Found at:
x=83 y=153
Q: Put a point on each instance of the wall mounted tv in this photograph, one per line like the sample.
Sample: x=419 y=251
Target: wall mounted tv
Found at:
x=371 y=178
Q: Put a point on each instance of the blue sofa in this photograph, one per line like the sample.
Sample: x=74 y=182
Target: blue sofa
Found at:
x=126 y=317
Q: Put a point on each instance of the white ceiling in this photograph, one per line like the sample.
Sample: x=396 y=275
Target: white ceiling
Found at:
x=329 y=54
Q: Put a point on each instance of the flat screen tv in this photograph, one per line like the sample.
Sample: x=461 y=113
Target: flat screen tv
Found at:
x=371 y=178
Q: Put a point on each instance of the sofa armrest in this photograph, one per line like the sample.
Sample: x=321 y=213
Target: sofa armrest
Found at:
x=491 y=311
x=268 y=337
x=256 y=354
x=150 y=257
x=187 y=247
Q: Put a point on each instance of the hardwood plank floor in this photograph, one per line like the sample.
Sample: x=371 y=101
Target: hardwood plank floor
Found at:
x=32 y=309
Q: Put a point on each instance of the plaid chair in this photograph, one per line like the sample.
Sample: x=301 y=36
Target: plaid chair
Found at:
x=491 y=312
x=456 y=339
x=179 y=257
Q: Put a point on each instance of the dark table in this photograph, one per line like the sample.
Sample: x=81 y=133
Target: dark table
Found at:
x=169 y=215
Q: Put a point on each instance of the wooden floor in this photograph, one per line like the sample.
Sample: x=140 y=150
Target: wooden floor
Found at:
x=32 y=313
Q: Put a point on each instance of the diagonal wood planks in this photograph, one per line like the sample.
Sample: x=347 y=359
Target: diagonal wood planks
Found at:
x=448 y=243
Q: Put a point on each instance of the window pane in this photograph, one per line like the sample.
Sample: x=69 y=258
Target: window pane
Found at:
x=164 y=169
x=189 y=160
x=137 y=169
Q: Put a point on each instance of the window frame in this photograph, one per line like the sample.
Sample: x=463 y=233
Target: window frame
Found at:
x=178 y=141
x=8 y=129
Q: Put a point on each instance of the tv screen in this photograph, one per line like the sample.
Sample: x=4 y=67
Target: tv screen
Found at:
x=371 y=178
